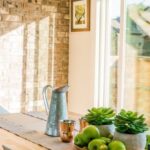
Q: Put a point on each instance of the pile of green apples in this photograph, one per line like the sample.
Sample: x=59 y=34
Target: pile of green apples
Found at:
x=91 y=139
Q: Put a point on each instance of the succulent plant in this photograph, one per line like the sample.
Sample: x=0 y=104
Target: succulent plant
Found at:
x=100 y=116
x=130 y=122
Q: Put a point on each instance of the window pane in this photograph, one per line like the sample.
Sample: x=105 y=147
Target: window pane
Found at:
x=115 y=31
x=115 y=24
x=137 y=76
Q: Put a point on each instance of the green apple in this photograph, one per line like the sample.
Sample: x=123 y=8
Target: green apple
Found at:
x=147 y=141
x=110 y=136
x=79 y=141
x=103 y=147
x=90 y=132
x=96 y=144
x=116 y=145
x=107 y=140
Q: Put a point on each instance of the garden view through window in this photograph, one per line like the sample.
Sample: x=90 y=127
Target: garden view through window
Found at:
x=137 y=55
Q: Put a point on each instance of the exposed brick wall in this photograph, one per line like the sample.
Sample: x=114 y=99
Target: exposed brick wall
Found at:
x=34 y=37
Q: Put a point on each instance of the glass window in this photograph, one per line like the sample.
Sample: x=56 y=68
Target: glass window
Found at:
x=126 y=76
x=137 y=64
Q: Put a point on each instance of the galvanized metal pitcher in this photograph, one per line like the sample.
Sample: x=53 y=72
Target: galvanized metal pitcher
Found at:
x=58 y=108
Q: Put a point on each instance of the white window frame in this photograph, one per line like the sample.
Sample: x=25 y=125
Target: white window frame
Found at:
x=122 y=57
x=103 y=46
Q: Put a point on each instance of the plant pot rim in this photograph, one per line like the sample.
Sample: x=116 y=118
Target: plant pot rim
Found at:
x=129 y=133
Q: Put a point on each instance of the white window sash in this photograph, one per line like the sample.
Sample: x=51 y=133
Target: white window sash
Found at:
x=122 y=57
x=103 y=52
x=103 y=47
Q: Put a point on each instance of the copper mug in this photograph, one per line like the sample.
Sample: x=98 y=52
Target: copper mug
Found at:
x=83 y=123
x=67 y=128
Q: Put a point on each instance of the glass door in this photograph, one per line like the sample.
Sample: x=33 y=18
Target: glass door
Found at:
x=124 y=38
x=137 y=64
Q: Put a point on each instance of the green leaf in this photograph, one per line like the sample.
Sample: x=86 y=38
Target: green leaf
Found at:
x=100 y=116
x=130 y=122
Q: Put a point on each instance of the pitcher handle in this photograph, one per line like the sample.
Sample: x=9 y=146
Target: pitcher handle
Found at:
x=44 y=93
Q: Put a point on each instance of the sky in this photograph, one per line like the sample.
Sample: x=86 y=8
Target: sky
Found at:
x=146 y=2
x=116 y=6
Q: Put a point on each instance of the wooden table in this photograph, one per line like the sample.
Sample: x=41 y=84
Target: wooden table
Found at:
x=16 y=133
x=16 y=143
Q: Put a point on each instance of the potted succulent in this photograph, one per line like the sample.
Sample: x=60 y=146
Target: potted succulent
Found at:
x=103 y=119
x=130 y=129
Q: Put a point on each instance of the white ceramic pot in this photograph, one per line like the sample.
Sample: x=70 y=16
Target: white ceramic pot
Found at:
x=132 y=141
x=106 y=130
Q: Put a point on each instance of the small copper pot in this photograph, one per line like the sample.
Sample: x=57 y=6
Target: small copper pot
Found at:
x=83 y=123
x=67 y=130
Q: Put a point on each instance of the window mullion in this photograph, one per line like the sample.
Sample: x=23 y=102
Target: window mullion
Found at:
x=107 y=53
x=97 y=56
x=102 y=52
x=122 y=57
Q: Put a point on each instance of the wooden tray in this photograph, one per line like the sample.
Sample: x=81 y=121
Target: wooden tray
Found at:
x=78 y=148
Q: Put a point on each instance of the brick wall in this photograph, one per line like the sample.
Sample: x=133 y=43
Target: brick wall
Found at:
x=33 y=50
